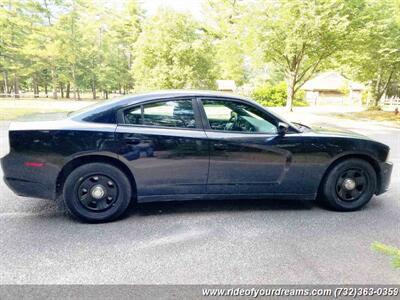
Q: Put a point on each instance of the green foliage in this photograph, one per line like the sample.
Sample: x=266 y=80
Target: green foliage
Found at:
x=374 y=108
x=300 y=36
x=364 y=96
x=374 y=56
x=392 y=252
x=276 y=95
x=94 y=46
x=345 y=91
x=59 y=43
x=173 y=54
x=227 y=31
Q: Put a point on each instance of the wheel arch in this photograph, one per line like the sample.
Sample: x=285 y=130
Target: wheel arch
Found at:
x=82 y=160
x=372 y=161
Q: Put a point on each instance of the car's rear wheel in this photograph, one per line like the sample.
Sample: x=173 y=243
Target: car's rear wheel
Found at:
x=349 y=185
x=97 y=192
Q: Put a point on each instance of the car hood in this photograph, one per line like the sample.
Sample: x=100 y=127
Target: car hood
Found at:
x=337 y=132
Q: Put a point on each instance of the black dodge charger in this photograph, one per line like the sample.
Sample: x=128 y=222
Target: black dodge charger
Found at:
x=184 y=145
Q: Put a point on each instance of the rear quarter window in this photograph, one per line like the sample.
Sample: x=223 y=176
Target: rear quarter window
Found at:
x=107 y=117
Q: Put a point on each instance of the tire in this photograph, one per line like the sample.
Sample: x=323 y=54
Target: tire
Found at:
x=338 y=192
x=97 y=192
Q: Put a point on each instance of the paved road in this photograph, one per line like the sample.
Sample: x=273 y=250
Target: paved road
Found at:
x=253 y=242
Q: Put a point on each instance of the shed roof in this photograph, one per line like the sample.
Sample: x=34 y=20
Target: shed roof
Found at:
x=331 y=81
x=226 y=85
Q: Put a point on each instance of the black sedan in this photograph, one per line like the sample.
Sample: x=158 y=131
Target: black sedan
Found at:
x=186 y=145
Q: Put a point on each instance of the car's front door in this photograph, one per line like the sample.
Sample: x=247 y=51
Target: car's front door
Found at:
x=245 y=152
x=165 y=147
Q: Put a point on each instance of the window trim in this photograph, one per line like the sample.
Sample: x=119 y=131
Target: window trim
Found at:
x=200 y=116
x=206 y=122
x=122 y=122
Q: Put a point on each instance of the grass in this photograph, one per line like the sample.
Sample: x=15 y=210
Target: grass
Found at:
x=13 y=108
x=392 y=252
x=375 y=115
x=13 y=113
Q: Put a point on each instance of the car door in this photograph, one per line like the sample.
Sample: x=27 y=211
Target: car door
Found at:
x=245 y=152
x=165 y=147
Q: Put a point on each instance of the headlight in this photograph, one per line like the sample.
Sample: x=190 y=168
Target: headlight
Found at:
x=388 y=156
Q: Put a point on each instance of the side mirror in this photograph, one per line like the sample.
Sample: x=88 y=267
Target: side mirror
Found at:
x=282 y=128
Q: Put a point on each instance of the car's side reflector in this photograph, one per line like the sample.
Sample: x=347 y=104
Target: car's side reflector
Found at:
x=34 y=164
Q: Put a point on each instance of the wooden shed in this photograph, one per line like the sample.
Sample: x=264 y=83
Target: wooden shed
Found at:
x=226 y=85
x=332 y=88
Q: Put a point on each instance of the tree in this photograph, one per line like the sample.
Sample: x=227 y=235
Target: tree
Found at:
x=14 y=28
x=70 y=44
x=375 y=54
x=95 y=46
x=226 y=27
x=300 y=36
x=171 y=52
x=108 y=38
x=40 y=47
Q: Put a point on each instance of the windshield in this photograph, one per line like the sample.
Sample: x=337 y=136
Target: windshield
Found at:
x=294 y=125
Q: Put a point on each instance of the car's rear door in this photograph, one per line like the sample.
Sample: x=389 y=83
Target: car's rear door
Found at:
x=165 y=147
x=245 y=152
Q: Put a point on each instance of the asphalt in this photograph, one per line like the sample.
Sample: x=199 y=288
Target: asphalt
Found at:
x=209 y=242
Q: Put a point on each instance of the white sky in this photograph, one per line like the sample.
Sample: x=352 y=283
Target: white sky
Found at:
x=192 y=6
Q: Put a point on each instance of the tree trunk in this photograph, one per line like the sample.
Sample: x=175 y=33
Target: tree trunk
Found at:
x=106 y=94
x=45 y=90
x=290 y=91
x=94 y=87
x=35 y=88
x=68 y=90
x=381 y=91
x=377 y=88
x=54 y=82
x=16 y=86
x=62 y=90
x=74 y=82
x=78 y=94
x=5 y=84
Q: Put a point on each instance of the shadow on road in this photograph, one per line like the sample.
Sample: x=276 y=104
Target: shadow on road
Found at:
x=204 y=206
x=210 y=206
x=56 y=209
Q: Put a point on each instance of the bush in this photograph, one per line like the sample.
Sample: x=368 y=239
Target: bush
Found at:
x=374 y=108
x=364 y=97
x=275 y=95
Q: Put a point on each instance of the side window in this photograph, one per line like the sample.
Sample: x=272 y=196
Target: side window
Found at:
x=134 y=115
x=176 y=113
x=238 y=117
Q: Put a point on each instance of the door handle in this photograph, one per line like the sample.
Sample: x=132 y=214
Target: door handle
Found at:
x=220 y=146
x=132 y=141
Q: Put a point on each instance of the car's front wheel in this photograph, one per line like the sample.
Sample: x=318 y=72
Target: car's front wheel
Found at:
x=97 y=192
x=349 y=185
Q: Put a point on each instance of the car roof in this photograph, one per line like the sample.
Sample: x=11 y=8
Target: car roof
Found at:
x=178 y=93
x=116 y=103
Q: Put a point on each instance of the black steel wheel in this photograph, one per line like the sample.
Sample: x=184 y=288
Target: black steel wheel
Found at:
x=97 y=192
x=349 y=185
